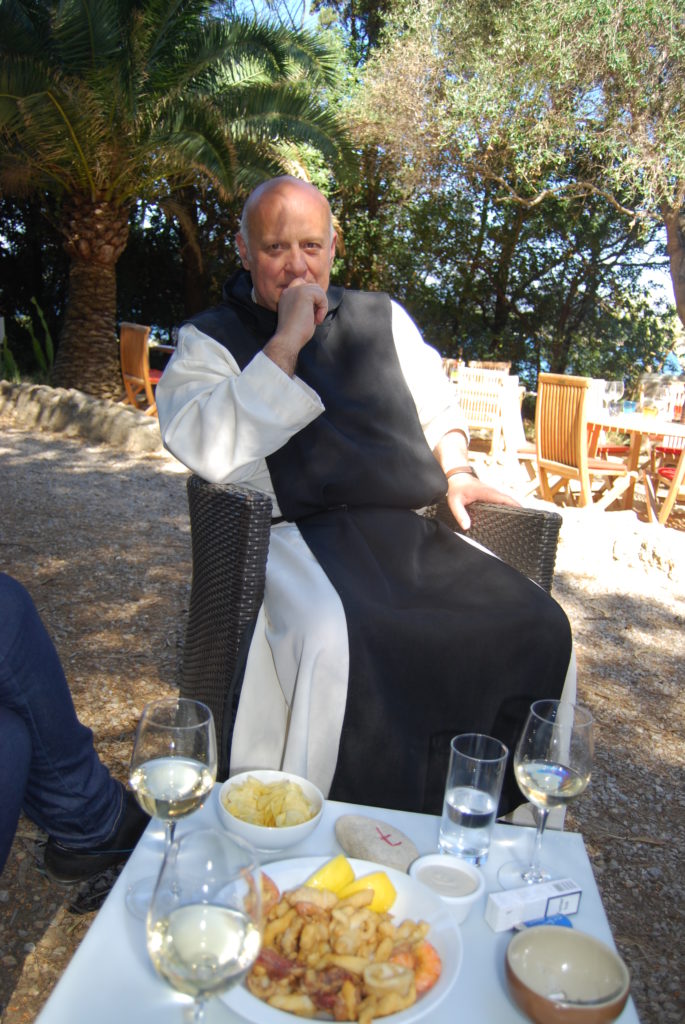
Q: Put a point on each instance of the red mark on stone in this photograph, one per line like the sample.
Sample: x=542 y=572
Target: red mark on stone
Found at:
x=386 y=837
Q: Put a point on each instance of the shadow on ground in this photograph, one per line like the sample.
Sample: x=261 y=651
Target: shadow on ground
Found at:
x=101 y=540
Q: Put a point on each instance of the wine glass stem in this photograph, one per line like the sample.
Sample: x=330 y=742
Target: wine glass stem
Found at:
x=541 y=814
x=199 y=1010
x=169 y=831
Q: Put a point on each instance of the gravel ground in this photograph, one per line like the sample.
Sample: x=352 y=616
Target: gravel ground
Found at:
x=100 y=537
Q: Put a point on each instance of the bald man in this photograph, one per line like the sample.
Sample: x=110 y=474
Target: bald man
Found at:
x=382 y=633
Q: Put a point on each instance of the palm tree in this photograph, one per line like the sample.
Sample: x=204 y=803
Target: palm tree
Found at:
x=105 y=102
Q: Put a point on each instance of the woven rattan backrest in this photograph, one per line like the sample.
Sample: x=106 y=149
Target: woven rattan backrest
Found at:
x=230 y=529
x=560 y=421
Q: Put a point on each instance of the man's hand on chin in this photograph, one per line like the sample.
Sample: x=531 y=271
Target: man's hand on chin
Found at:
x=301 y=308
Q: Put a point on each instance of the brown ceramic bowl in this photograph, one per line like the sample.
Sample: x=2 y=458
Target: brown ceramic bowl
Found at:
x=562 y=976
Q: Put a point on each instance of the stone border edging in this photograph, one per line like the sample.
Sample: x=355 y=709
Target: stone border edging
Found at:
x=76 y=414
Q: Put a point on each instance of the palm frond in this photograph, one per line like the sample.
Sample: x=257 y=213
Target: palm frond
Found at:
x=201 y=59
x=26 y=27
x=88 y=33
x=130 y=92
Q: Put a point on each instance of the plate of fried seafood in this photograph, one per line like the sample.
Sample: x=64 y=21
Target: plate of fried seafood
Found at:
x=333 y=956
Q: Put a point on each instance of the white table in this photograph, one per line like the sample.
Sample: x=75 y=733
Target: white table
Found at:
x=641 y=426
x=111 y=980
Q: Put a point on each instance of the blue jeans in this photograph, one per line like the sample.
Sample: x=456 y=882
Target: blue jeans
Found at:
x=48 y=765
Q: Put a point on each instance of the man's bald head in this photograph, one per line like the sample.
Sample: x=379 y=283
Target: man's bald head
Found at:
x=286 y=235
x=282 y=184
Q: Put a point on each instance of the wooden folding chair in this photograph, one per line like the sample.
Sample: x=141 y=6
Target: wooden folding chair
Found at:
x=480 y=393
x=139 y=380
x=667 y=469
x=561 y=438
x=480 y=364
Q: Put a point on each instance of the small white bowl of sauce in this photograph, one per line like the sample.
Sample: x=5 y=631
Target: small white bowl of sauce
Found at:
x=458 y=883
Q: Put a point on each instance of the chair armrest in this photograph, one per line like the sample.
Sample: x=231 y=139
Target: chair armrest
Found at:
x=230 y=530
x=526 y=538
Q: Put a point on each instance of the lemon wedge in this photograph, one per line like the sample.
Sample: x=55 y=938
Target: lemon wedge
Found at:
x=384 y=892
x=334 y=875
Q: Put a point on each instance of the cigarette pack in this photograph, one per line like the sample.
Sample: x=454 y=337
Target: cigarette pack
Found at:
x=511 y=907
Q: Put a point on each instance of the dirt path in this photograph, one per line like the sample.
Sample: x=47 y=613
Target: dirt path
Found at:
x=101 y=540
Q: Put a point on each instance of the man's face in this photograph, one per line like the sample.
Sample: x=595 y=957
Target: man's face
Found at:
x=289 y=237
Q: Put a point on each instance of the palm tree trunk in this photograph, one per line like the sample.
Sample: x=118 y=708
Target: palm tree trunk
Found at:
x=88 y=353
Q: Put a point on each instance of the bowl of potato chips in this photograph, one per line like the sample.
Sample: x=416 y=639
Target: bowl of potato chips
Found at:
x=271 y=809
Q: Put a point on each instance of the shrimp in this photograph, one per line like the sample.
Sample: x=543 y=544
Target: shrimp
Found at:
x=269 y=891
x=274 y=964
x=424 y=960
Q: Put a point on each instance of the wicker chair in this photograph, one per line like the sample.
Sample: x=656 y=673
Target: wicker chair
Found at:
x=230 y=527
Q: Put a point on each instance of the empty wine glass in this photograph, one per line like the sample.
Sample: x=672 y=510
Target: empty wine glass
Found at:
x=204 y=922
x=552 y=764
x=662 y=400
x=173 y=768
x=614 y=393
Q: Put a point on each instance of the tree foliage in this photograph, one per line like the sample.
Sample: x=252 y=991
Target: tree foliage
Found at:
x=362 y=22
x=562 y=98
x=498 y=245
x=107 y=102
x=33 y=264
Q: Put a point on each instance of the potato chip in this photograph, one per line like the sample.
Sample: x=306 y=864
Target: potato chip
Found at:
x=270 y=804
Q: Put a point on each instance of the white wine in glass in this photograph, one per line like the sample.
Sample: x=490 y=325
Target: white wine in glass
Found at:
x=204 y=922
x=552 y=765
x=173 y=768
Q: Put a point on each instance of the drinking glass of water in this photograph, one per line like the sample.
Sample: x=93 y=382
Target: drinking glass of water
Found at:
x=472 y=792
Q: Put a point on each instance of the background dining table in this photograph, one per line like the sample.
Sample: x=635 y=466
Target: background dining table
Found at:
x=111 y=979
x=639 y=426
x=160 y=353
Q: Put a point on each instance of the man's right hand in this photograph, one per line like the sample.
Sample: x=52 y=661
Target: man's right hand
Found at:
x=301 y=308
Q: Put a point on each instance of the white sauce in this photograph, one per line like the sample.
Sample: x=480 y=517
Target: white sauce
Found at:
x=447 y=881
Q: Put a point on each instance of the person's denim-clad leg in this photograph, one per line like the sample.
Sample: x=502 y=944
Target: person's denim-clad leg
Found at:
x=50 y=766
x=15 y=762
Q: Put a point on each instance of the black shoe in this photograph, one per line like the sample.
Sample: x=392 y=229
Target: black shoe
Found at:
x=69 y=864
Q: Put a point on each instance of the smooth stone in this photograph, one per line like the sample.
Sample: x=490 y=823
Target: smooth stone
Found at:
x=371 y=839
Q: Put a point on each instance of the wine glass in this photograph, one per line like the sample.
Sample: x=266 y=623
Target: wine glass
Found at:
x=614 y=392
x=173 y=768
x=204 y=922
x=552 y=765
x=662 y=399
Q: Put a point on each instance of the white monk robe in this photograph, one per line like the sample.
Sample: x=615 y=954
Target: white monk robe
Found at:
x=222 y=424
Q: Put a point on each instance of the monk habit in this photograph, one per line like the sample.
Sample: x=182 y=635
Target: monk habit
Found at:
x=443 y=638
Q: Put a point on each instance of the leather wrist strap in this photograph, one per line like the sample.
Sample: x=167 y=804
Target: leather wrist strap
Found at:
x=461 y=469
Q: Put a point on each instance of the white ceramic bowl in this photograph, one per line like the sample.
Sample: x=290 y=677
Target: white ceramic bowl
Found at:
x=260 y=836
x=562 y=976
x=458 y=883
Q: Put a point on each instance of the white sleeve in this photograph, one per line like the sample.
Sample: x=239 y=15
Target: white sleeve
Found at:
x=222 y=423
x=434 y=396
